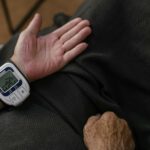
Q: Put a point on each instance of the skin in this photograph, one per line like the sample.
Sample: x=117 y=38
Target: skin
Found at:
x=108 y=132
x=40 y=56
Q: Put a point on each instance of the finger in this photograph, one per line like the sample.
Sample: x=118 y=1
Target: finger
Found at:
x=77 y=39
x=68 y=56
x=35 y=24
x=72 y=32
x=109 y=118
x=91 y=121
x=59 y=32
x=124 y=122
x=125 y=126
x=127 y=134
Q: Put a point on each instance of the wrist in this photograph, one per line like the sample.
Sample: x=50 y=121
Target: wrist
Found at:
x=20 y=67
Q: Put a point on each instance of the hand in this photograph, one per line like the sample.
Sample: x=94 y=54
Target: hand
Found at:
x=39 y=56
x=108 y=132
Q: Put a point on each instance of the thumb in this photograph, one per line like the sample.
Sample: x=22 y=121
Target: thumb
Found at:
x=35 y=24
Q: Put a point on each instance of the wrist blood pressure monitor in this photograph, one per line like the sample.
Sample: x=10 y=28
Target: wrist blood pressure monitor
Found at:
x=14 y=88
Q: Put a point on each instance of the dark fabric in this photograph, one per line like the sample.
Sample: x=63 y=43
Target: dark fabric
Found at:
x=112 y=75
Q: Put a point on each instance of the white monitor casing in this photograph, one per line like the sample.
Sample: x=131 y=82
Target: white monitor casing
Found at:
x=17 y=92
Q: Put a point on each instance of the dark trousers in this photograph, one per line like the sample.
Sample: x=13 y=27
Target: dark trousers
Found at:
x=112 y=75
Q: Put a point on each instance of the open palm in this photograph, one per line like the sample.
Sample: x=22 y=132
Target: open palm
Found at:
x=39 y=56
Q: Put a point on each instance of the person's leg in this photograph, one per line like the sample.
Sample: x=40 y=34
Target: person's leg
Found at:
x=36 y=125
x=107 y=27
x=118 y=59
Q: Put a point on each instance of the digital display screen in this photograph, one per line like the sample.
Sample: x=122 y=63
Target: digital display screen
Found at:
x=7 y=81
